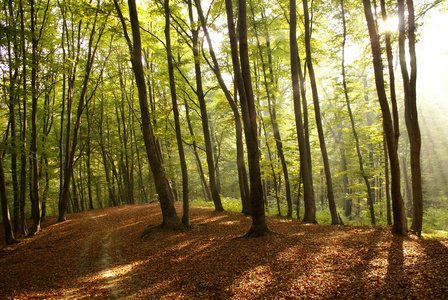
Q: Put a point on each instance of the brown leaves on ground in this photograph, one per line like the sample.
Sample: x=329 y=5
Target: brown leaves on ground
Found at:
x=100 y=254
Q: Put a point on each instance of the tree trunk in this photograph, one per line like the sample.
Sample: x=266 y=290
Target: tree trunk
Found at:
x=180 y=146
x=9 y=236
x=23 y=225
x=13 y=49
x=242 y=173
x=163 y=189
x=390 y=64
x=411 y=113
x=206 y=190
x=204 y=116
x=387 y=182
x=352 y=122
x=308 y=191
x=323 y=147
x=243 y=80
x=273 y=115
x=399 y=215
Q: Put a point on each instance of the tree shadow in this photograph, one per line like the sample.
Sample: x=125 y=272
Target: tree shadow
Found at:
x=434 y=267
x=396 y=281
x=211 y=262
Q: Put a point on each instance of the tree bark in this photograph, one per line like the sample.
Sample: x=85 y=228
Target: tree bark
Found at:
x=207 y=194
x=9 y=235
x=390 y=64
x=163 y=189
x=399 y=215
x=305 y=163
x=13 y=59
x=352 y=122
x=243 y=81
x=204 y=116
x=242 y=173
x=23 y=226
x=180 y=146
x=33 y=146
x=330 y=193
x=411 y=113
x=71 y=138
x=273 y=115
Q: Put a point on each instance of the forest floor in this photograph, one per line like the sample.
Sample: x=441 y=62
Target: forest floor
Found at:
x=101 y=254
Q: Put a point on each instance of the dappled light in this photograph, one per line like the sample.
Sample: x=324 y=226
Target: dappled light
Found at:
x=112 y=260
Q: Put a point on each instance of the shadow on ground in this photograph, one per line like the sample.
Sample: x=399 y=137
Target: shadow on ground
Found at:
x=101 y=254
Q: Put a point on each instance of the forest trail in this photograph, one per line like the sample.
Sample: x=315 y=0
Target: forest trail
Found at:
x=100 y=254
x=102 y=235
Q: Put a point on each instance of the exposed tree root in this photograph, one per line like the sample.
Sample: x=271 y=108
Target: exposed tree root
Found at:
x=163 y=227
x=259 y=231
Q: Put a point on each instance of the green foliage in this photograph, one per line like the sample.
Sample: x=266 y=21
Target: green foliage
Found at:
x=110 y=120
x=435 y=217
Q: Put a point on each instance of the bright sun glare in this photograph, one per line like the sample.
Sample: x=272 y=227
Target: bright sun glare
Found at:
x=391 y=24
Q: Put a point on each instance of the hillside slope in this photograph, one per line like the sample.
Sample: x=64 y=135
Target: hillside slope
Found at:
x=100 y=254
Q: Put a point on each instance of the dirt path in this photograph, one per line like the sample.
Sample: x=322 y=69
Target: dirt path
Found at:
x=100 y=254
x=97 y=249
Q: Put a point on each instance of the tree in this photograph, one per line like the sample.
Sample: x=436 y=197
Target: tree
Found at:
x=9 y=235
x=180 y=147
x=203 y=107
x=305 y=163
x=271 y=99
x=370 y=199
x=23 y=156
x=411 y=114
x=241 y=166
x=249 y=115
x=69 y=150
x=165 y=194
x=334 y=215
x=399 y=214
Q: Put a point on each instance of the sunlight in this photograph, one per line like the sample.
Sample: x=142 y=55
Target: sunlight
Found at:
x=113 y=272
x=390 y=25
x=253 y=282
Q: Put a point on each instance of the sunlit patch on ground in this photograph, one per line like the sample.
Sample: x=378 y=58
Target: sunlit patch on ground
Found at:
x=252 y=283
x=210 y=261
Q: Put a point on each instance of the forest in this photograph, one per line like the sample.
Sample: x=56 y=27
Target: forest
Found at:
x=330 y=112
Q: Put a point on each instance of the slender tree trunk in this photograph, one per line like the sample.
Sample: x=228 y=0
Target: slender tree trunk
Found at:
x=23 y=225
x=399 y=215
x=89 y=171
x=411 y=113
x=204 y=116
x=180 y=147
x=387 y=182
x=390 y=64
x=243 y=80
x=207 y=194
x=163 y=189
x=274 y=175
x=273 y=115
x=352 y=122
x=9 y=235
x=242 y=173
x=308 y=190
x=323 y=147
x=109 y=182
x=33 y=147
x=13 y=49
x=95 y=35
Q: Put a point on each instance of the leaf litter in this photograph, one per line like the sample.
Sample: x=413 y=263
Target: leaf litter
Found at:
x=101 y=254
